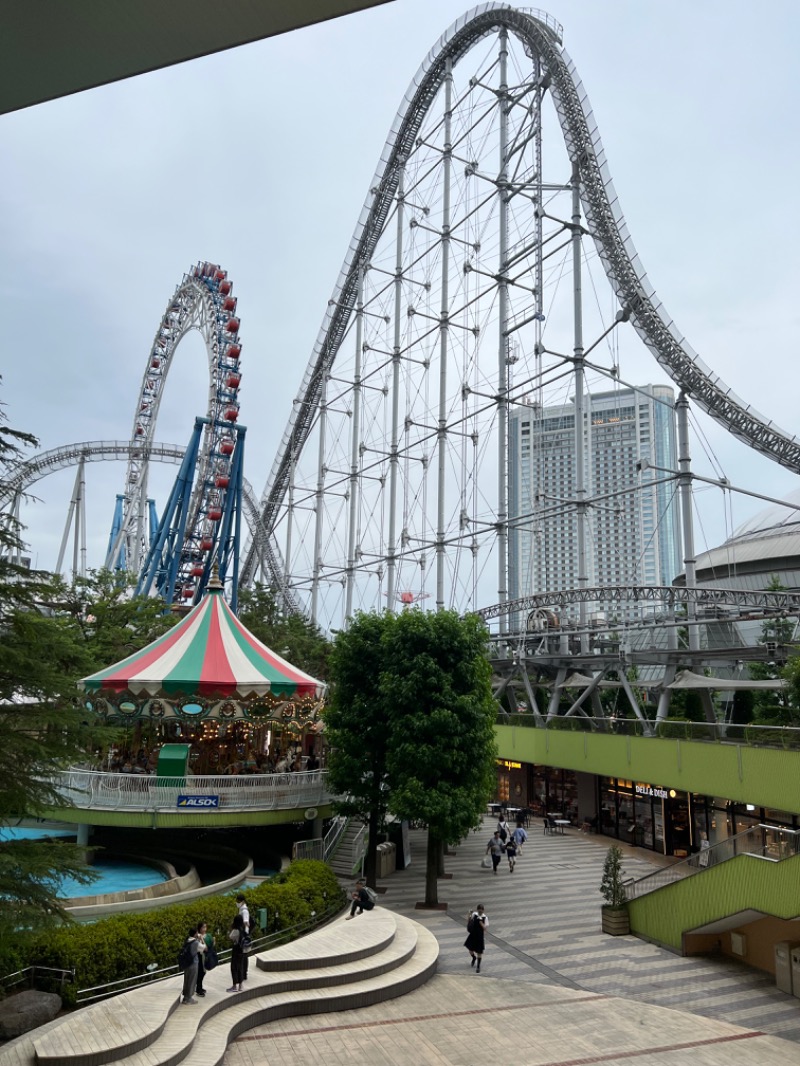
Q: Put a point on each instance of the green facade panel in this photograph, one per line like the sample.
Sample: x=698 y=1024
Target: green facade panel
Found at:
x=744 y=883
x=765 y=777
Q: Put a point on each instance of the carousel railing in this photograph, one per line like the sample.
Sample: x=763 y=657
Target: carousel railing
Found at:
x=91 y=789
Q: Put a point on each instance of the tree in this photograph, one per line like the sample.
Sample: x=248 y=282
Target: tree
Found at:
x=356 y=727
x=410 y=726
x=773 y=706
x=436 y=689
x=292 y=636
x=42 y=723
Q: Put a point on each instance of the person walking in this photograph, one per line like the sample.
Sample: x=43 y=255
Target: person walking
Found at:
x=190 y=972
x=495 y=848
x=511 y=854
x=519 y=836
x=503 y=828
x=236 y=937
x=244 y=911
x=477 y=924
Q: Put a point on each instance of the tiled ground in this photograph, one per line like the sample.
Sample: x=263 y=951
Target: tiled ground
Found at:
x=554 y=990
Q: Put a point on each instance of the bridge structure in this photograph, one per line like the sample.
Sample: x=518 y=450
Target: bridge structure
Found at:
x=462 y=299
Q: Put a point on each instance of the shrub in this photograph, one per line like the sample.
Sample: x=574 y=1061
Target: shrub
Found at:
x=124 y=945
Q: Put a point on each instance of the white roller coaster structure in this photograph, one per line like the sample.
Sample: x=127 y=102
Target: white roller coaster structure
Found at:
x=393 y=468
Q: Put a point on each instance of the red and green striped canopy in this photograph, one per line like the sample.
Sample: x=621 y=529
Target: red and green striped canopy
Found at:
x=209 y=653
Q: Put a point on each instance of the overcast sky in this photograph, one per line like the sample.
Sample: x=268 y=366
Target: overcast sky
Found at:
x=260 y=159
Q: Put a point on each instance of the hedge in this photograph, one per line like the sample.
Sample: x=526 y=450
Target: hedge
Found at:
x=124 y=945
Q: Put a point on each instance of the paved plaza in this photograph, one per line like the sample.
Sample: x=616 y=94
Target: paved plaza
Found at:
x=554 y=990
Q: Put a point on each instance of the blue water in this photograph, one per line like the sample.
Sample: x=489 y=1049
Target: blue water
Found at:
x=16 y=833
x=116 y=875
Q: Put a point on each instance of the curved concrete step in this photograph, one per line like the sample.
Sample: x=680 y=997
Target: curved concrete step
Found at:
x=218 y=1033
x=178 y=1038
x=330 y=946
x=142 y=1028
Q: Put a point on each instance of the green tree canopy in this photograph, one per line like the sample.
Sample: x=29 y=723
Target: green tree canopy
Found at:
x=410 y=724
x=292 y=636
x=356 y=726
x=43 y=724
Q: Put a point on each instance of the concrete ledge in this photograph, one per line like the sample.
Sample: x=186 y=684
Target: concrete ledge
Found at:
x=338 y=967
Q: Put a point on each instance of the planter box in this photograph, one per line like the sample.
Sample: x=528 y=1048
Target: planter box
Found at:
x=615 y=921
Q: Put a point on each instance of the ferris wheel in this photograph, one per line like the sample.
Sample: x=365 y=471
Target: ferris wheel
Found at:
x=203 y=301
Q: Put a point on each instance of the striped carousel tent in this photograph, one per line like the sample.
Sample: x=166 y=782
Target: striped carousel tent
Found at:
x=209 y=657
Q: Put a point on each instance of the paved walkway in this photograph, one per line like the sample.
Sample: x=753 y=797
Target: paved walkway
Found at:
x=554 y=990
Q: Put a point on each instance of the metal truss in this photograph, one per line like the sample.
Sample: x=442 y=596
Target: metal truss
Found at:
x=391 y=202
x=728 y=603
x=25 y=474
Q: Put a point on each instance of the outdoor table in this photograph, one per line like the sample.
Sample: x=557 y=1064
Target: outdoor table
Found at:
x=561 y=822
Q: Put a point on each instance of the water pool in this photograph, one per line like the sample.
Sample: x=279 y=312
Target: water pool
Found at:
x=116 y=875
x=23 y=833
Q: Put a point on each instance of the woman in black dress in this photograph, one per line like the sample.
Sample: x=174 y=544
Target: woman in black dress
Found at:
x=236 y=937
x=477 y=924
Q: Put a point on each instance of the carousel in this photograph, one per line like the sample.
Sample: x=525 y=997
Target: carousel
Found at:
x=210 y=684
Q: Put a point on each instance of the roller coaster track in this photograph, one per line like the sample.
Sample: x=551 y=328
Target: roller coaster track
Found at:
x=540 y=36
x=668 y=596
x=20 y=478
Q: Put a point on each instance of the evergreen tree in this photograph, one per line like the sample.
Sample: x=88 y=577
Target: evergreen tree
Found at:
x=292 y=636
x=43 y=724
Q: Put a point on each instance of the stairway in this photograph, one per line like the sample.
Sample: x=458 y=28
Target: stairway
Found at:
x=344 y=965
x=349 y=852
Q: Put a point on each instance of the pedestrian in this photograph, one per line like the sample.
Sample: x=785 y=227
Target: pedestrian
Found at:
x=244 y=911
x=503 y=828
x=511 y=854
x=519 y=836
x=236 y=936
x=495 y=848
x=477 y=924
x=202 y=948
x=190 y=972
x=362 y=901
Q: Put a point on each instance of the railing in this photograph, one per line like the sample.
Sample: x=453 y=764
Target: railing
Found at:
x=88 y=789
x=672 y=729
x=333 y=836
x=308 y=849
x=770 y=842
x=280 y=936
x=36 y=976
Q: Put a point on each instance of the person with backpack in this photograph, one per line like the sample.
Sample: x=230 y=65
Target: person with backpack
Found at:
x=503 y=829
x=188 y=962
x=363 y=900
x=477 y=924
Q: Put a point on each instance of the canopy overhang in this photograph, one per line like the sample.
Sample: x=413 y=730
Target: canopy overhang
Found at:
x=207 y=666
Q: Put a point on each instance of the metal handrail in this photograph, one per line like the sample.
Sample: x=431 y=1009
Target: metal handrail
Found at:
x=11 y=980
x=334 y=835
x=753 y=841
x=125 y=984
x=92 y=789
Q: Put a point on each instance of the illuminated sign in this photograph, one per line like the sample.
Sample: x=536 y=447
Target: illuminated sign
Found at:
x=201 y=802
x=508 y=765
x=648 y=790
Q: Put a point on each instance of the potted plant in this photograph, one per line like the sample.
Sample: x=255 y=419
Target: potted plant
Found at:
x=615 y=918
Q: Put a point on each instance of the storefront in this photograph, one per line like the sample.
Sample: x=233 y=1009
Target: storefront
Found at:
x=646 y=815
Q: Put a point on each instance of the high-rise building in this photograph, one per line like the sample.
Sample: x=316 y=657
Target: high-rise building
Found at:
x=632 y=520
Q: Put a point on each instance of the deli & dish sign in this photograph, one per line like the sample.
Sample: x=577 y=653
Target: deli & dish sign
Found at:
x=649 y=790
x=198 y=802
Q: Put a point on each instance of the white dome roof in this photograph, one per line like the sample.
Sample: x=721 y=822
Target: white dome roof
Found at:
x=773 y=520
